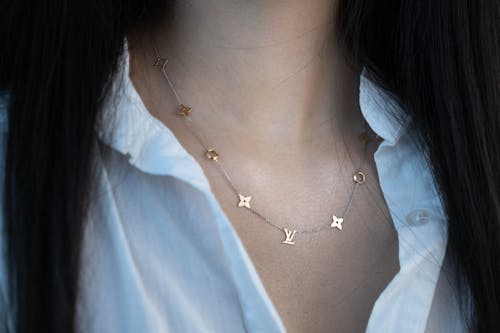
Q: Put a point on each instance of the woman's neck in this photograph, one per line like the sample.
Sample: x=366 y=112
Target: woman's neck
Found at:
x=269 y=69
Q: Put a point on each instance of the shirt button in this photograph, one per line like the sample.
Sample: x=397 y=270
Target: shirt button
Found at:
x=418 y=217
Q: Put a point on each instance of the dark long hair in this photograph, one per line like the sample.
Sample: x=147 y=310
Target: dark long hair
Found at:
x=439 y=58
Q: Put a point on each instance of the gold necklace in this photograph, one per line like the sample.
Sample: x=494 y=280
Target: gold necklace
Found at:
x=336 y=222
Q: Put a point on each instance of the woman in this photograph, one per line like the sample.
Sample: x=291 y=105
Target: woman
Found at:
x=232 y=166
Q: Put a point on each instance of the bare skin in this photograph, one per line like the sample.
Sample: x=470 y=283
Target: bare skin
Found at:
x=271 y=90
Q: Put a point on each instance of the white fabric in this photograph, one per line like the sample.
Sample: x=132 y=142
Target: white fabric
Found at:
x=160 y=255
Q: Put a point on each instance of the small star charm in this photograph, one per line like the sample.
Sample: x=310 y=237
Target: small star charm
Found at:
x=337 y=222
x=244 y=201
x=184 y=110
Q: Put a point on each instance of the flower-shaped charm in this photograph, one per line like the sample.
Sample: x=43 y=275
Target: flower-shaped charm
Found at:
x=337 y=222
x=244 y=201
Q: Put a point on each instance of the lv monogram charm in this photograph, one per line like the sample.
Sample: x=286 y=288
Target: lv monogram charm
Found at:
x=289 y=234
x=337 y=222
x=160 y=62
x=244 y=201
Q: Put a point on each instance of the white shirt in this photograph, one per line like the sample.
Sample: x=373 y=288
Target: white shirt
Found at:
x=160 y=255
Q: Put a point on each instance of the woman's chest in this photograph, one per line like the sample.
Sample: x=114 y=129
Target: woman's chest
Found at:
x=177 y=241
x=319 y=277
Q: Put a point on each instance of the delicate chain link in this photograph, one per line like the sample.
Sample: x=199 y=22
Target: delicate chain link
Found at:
x=162 y=62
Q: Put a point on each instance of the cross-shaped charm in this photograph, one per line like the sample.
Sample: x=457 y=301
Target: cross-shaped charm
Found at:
x=244 y=201
x=337 y=222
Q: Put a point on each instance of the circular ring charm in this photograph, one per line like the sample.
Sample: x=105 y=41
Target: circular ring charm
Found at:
x=359 y=177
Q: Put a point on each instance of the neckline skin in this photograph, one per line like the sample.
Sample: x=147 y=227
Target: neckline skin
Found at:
x=269 y=73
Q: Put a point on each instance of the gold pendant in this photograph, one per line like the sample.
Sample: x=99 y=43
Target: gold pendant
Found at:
x=160 y=62
x=337 y=222
x=289 y=234
x=244 y=201
x=359 y=177
x=212 y=154
x=184 y=110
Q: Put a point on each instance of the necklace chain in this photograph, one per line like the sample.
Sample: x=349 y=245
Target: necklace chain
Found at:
x=336 y=222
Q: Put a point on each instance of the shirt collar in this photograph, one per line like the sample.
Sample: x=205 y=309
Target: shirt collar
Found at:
x=382 y=111
x=128 y=127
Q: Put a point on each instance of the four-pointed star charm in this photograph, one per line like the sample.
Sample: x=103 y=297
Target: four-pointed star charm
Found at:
x=337 y=222
x=244 y=201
